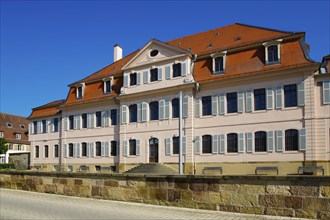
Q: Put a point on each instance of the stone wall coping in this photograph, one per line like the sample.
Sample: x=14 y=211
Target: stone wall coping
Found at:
x=156 y=176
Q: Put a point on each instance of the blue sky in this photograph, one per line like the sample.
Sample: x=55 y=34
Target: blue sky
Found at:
x=46 y=45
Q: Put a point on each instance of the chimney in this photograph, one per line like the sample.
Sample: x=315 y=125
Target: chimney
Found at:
x=117 y=53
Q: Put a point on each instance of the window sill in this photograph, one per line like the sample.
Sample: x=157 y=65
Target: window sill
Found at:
x=273 y=63
x=218 y=73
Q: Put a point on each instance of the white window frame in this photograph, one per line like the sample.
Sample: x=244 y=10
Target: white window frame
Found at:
x=18 y=136
x=105 y=80
x=269 y=44
x=1 y=134
x=82 y=85
x=222 y=54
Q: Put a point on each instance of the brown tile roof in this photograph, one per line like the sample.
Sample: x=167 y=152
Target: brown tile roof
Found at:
x=49 y=109
x=20 y=125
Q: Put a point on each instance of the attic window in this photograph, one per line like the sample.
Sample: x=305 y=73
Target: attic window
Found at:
x=22 y=126
x=217 y=34
x=237 y=38
x=1 y=134
x=80 y=90
x=189 y=49
x=179 y=43
x=154 y=53
x=9 y=125
x=210 y=45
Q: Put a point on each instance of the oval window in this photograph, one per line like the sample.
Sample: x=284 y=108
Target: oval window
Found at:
x=153 y=53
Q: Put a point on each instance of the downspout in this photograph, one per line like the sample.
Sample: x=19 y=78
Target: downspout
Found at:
x=180 y=134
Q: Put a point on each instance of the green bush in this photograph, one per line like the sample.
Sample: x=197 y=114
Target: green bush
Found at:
x=7 y=166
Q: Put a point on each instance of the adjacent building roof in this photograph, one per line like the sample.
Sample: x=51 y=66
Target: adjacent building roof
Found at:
x=48 y=109
x=11 y=125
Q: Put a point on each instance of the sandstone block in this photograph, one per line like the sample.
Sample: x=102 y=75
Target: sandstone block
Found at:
x=278 y=190
x=276 y=201
x=325 y=191
x=158 y=194
x=251 y=189
x=304 y=190
x=306 y=214
x=293 y=202
x=324 y=215
x=174 y=195
x=244 y=199
x=279 y=212
x=252 y=210
x=317 y=204
x=111 y=183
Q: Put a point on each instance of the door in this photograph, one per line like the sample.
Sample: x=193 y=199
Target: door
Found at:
x=153 y=150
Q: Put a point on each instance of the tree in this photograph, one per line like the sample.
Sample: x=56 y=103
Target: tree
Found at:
x=3 y=146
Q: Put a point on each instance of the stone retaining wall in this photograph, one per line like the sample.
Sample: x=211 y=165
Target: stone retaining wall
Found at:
x=296 y=196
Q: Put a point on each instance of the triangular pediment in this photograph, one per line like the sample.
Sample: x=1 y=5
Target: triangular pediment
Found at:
x=155 y=51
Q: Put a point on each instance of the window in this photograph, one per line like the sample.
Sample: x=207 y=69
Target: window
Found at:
x=176 y=145
x=36 y=151
x=207 y=144
x=71 y=122
x=98 y=116
x=132 y=147
x=232 y=143
x=232 y=102
x=98 y=149
x=84 y=149
x=44 y=126
x=133 y=113
x=113 y=151
x=176 y=69
x=9 y=125
x=1 y=134
x=290 y=95
x=259 y=99
x=153 y=75
x=218 y=65
x=175 y=108
x=19 y=147
x=84 y=120
x=113 y=115
x=272 y=52
x=132 y=79
x=18 y=136
x=46 y=151
x=56 y=149
x=79 y=92
x=35 y=127
x=154 y=112
x=22 y=126
x=291 y=140
x=107 y=86
x=153 y=53
x=260 y=141
x=70 y=150
x=207 y=105
x=56 y=127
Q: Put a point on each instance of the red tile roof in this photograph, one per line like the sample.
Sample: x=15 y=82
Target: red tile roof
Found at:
x=20 y=125
x=49 y=109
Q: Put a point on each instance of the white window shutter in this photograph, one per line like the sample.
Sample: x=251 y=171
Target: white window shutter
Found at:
x=88 y=150
x=184 y=145
x=139 y=112
x=168 y=72
x=241 y=142
x=91 y=149
x=301 y=93
x=107 y=118
x=102 y=149
x=302 y=139
x=138 y=78
x=47 y=125
x=185 y=106
x=160 y=73
x=215 y=144
x=103 y=118
x=107 y=150
x=278 y=95
x=39 y=127
x=222 y=104
x=248 y=101
x=197 y=107
x=75 y=150
x=78 y=122
x=167 y=109
x=326 y=92
x=279 y=140
x=78 y=150
x=161 y=109
x=249 y=142
x=222 y=143
x=31 y=128
x=197 y=145
x=240 y=101
x=214 y=105
x=144 y=111
x=65 y=122
x=269 y=99
x=90 y=120
x=137 y=147
x=183 y=69
x=124 y=114
x=66 y=150
x=126 y=80
x=145 y=77
x=125 y=143
x=270 y=141
x=168 y=145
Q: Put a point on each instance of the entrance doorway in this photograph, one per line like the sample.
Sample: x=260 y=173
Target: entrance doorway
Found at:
x=153 y=150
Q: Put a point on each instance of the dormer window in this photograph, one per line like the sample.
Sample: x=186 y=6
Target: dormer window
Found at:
x=18 y=136
x=154 y=74
x=107 y=85
x=80 y=91
x=272 y=52
x=219 y=62
x=1 y=134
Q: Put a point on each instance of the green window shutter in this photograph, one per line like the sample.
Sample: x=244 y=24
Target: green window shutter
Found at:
x=124 y=114
x=222 y=143
x=125 y=143
x=215 y=144
x=144 y=112
x=249 y=142
x=168 y=72
x=137 y=147
x=326 y=92
x=214 y=105
x=168 y=145
x=302 y=139
x=160 y=73
x=241 y=142
x=279 y=140
x=269 y=99
x=248 y=101
x=106 y=149
x=185 y=106
x=240 y=101
x=197 y=107
x=102 y=149
x=161 y=109
x=278 y=95
x=138 y=78
x=183 y=69
x=145 y=77
x=222 y=104
x=126 y=80
x=270 y=141
x=197 y=145
x=184 y=145
x=139 y=112
x=301 y=93
x=66 y=150
x=78 y=150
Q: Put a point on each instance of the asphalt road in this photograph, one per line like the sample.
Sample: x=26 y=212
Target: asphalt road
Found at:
x=16 y=204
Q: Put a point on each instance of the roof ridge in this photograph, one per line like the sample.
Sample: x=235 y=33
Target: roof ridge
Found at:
x=269 y=29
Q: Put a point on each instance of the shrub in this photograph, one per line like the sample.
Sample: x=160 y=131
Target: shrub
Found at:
x=7 y=166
